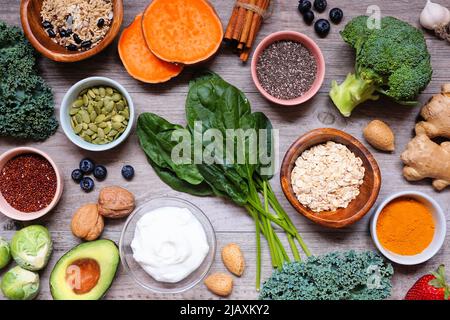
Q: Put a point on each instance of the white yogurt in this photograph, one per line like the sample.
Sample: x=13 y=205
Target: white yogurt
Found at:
x=169 y=243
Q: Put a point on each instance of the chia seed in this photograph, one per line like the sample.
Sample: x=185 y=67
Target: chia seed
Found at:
x=286 y=69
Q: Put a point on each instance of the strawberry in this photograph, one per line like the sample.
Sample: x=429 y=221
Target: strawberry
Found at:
x=432 y=286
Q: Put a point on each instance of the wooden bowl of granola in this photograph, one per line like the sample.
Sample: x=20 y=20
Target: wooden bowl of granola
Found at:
x=70 y=30
x=330 y=176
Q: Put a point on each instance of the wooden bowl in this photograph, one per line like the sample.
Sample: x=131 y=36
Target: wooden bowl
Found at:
x=368 y=191
x=31 y=24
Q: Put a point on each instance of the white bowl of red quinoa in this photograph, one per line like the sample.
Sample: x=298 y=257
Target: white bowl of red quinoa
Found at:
x=30 y=184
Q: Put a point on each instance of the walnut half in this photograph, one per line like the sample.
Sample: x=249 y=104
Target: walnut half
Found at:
x=115 y=202
x=87 y=223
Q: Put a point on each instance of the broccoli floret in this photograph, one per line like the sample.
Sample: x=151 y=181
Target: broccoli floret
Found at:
x=26 y=102
x=334 y=276
x=392 y=60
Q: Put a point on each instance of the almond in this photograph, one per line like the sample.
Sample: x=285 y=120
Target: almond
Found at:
x=379 y=135
x=233 y=259
x=220 y=284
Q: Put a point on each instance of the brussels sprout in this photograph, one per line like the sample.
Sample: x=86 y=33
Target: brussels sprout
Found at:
x=20 y=284
x=31 y=247
x=5 y=254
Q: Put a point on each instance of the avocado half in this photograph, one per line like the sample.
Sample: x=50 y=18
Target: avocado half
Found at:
x=85 y=272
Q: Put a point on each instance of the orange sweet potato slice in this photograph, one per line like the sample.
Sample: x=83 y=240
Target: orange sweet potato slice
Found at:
x=182 y=31
x=139 y=61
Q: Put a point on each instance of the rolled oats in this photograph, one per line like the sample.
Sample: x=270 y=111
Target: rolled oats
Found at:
x=327 y=177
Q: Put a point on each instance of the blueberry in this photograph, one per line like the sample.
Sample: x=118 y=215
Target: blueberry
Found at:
x=100 y=23
x=128 y=172
x=77 y=38
x=308 y=17
x=87 y=184
x=336 y=15
x=51 y=33
x=77 y=175
x=87 y=166
x=86 y=44
x=304 y=6
x=100 y=172
x=72 y=47
x=47 y=25
x=322 y=27
x=320 y=5
x=69 y=32
x=63 y=33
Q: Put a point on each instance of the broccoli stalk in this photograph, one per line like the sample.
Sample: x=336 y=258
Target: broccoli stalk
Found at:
x=352 y=92
x=393 y=61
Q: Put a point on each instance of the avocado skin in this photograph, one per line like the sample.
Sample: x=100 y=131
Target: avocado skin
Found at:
x=93 y=249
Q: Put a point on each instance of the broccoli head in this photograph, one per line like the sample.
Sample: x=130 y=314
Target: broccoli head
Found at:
x=26 y=104
x=392 y=60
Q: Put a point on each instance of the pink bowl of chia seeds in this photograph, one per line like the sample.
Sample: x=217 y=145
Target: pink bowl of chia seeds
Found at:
x=288 y=68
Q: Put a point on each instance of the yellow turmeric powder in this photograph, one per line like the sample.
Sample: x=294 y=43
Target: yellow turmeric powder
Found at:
x=405 y=226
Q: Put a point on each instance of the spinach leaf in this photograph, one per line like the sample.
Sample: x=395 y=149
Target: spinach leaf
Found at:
x=155 y=136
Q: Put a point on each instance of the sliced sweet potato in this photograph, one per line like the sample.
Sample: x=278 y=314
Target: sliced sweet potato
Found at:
x=139 y=61
x=182 y=31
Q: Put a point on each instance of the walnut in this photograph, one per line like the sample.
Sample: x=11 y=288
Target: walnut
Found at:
x=115 y=202
x=87 y=223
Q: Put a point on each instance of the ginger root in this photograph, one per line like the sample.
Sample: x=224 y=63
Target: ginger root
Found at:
x=437 y=115
x=426 y=159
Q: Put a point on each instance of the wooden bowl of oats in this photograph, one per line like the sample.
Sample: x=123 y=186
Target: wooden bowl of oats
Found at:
x=330 y=177
x=71 y=30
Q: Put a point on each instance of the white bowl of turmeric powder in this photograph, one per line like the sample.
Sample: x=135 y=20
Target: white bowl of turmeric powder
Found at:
x=409 y=227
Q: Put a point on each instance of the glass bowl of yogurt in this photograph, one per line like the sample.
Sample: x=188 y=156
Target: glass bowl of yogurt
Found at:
x=167 y=245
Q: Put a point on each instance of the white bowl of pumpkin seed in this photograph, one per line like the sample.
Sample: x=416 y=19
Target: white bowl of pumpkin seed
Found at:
x=97 y=114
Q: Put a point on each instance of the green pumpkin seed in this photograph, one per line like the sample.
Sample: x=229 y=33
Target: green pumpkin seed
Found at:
x=117 y=125
x=91 y=93
x=102 y=125
x=77 y=129
x=109 y=91
x=117 y=97
x=120 y=105
x=78 y=103
x=78 y=118
x=100 y=118
x=93 y=115
x=107 y=130
x=85 y=126
x=118 y=118
x=73 y=111
x=85 y=99
x=93 y=127
x=85 y=116
x=100 y=133
x=102 y=92
x=94 y=136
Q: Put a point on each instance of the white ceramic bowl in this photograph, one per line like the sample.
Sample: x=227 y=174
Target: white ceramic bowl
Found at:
x=439 y=234
x=70 y=97
x=138 y=274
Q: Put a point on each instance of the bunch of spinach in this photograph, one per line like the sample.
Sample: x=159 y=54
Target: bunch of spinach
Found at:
x=212 y=103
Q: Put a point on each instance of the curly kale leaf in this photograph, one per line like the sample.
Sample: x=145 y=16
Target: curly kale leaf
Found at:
x=335 y=276
x=26 y=102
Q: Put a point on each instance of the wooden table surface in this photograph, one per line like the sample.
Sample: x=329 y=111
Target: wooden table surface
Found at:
x=231 y=222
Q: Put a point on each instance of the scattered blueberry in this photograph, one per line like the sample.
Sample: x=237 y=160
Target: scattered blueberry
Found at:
x=100 y=172
x=51 y=33
x=77 y=38
x=304 y=6
x=47 y=25
x=87 y=184
x=336 y=15
x=128 y=172
x=87 y=166
x=100 y=23
x=320 y=5
x=69 y=32
x=86 y=44
x=322 y=27
x=308 y=17
x=72 y=47
x=77 y=175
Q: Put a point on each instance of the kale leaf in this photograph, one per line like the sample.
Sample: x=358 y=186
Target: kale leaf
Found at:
x=26 y=102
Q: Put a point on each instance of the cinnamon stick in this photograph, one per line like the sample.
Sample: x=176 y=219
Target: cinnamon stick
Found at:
x=240 y=22
x=231 y=24
x=247 y=25
x=245 y=54
x=256 y=24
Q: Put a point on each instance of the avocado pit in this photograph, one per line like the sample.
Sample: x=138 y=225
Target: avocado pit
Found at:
x=82 y=275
